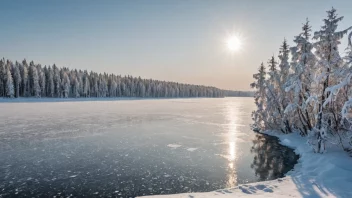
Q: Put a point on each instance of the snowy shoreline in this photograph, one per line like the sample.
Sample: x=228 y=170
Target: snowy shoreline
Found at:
x=315 y=175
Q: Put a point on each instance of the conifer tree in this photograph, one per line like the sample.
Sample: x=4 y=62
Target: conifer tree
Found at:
x=9 y=83
x=259 y=97
x=17 y=79
x=329 y=64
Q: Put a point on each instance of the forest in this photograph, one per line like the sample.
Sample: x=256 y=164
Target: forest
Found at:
x=32 y=80
x=308 y=87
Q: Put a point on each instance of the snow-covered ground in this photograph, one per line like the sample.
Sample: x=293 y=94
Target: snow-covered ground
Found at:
x=315 y=175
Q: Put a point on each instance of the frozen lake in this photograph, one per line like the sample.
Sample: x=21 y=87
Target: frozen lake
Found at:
x=130 y=148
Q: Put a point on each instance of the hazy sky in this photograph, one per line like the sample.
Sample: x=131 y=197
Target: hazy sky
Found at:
x=180 y=40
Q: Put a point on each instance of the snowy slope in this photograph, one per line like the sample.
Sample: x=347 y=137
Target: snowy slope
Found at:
x=315 y=175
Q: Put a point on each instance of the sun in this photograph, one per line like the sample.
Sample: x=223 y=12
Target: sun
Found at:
x=233 y=43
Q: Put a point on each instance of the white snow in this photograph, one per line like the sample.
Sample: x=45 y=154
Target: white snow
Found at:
x=315 y=175
x=192 y=149
x=174 y=145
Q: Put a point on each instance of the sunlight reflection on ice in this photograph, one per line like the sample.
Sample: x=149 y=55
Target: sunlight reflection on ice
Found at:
x=232 y=118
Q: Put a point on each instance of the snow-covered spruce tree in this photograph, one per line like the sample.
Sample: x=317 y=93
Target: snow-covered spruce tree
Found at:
x=86 y=86
x=102 y=87
x=42 y=81
x=113 y=87
x=9 y=89
x=65 y=85
x=34 y=77
x=273 y=111
x=284 y=97
x=80 y=82
x=17 y=78
x=50 y=83
x=76 y=88
x=94 y=85
x=57 y=82
x=2 y=78
x=339 y=100
x=346 y=112
x=25 y=79
x=299 y=82
x=330 y=72
x=259 y=98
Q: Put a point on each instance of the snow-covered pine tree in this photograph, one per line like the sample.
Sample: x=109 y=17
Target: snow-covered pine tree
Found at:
x=17 y=79
x=80 y=82
x=346 y=112
x=95 y=85
x=259 y=97
x=283 y=97
x=42 y=81
x=113 y=88
x=57 y=82
x=273 y=111
x=34 y=77
x=76 y=87
x=25 y=79
x=329 y=65
x=86 y=84
x=2 y=78
x=65 y=85
x=50 y=83
x=9 y=91
x=299 y=83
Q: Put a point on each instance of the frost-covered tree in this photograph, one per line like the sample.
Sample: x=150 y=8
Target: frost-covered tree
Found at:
x=34 y=81
x=273 y=110
x=113 y=88
x=3 y=74
x=25 y=79
x=9 y=89
x=299 y=83
x=259 y=97
x=330 y=72
x=65 y=85
x=283 y=96
x=50 y=83
x=17 y=79
x=76 y=88
x=42 y=81
x=86 y=85
x=57 y=82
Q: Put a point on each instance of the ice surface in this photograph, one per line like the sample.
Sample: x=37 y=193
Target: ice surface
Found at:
x=81 y=148
x=316 y=175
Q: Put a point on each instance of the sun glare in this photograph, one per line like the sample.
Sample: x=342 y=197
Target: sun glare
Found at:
x=233 y=43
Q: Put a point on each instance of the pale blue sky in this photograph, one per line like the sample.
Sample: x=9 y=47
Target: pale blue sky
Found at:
x=179 y=40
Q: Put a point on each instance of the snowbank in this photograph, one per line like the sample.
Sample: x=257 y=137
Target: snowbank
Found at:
x=315 y=175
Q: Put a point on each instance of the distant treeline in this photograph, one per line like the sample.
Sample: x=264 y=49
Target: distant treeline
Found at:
x=21 y=79
x=230 y=93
